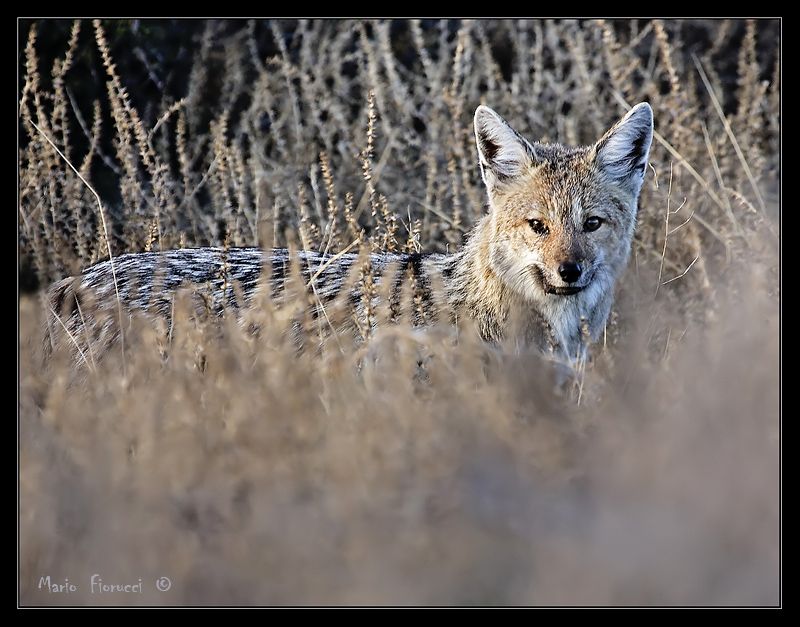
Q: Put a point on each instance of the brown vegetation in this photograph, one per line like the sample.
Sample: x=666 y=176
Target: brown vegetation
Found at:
x=418 y=467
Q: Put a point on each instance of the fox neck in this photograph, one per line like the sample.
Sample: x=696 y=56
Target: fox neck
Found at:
x=473 y=288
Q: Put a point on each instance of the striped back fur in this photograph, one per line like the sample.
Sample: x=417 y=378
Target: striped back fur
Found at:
x=83 y=309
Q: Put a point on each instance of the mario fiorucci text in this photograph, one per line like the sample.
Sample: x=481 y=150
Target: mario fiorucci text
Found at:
x=94 y=585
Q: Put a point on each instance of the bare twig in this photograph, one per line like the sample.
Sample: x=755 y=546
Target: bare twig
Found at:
x=105 y=234
x=71 y=337
x=682 y=274
x=729 y=132
x=718 y=175
x=82 y=123
x=321 y=269
x=666 y=232
x=655 y=174
x=85 y=332
x=684 y=223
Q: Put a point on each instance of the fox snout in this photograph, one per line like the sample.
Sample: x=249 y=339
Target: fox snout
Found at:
x=566 y=277
x=570 y=271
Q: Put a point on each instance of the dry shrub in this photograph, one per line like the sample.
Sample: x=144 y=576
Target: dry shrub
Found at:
x=419 y=466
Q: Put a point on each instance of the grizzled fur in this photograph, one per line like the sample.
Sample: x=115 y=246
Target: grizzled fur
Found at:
x=149 y=282
x=542 y=263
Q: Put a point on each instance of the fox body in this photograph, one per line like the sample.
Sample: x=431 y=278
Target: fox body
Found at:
x=150 y=281
x=542 y=263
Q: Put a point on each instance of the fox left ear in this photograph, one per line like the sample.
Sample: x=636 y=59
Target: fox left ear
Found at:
x=622 y=152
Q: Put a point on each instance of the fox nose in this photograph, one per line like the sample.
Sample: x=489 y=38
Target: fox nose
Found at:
x=570 y=271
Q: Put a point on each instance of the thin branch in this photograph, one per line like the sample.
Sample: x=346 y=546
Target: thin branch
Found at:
x=164 y=117
x=729 y=132
x=678 y=210
x=85 y=331
x=684 y=223
x=71 y=337
x=718 y=174
x=82 y=123
x=108 y=241
x=330 y=261
x=655 y=174
x=682 y=274
x=666 y=232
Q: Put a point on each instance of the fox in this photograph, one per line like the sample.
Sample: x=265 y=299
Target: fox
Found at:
x=542 y=263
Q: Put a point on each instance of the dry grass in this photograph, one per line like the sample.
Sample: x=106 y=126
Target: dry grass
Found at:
x=250 y=473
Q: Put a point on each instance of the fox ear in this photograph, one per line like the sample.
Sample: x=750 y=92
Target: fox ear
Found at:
x=622 y=152
x=503 y=152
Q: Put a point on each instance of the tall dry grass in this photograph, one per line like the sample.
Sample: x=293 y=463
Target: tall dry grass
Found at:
x=420 y=466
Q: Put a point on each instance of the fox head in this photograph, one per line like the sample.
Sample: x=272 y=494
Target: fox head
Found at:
x=561 y=218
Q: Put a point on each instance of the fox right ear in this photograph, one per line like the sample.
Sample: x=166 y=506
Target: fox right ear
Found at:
x=503 y=152
x=623 y=151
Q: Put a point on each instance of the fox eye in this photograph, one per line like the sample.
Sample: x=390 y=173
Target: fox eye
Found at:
x=593 y=223
x=538 y=226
